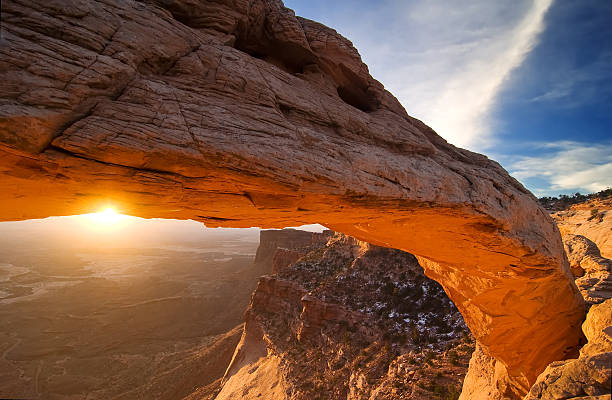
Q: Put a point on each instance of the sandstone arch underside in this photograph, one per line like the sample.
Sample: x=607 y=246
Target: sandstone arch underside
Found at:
x=237 y=113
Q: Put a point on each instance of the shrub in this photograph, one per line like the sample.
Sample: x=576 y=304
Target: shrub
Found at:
x=452 y=393
x=415 y=335
x=338 y=364
x=388 y=288
x=594 y=214
x=438 y=389
x=453 y=357
x=387 y=348
x=400 y=338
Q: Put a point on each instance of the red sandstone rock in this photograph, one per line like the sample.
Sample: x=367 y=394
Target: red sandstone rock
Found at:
x=590 y=375
x=481 y=382
x=592 y=271
x=241 y=114
x=288 y=240
x=284 y=257
x=592 y=219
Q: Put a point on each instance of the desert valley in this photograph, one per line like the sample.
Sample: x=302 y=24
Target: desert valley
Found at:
x=117 y=322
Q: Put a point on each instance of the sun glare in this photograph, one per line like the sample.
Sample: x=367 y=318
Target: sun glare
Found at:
x=106 y=218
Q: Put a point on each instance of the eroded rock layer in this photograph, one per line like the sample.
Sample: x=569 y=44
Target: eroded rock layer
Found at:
x=350 y=321
x=238 y=113
x=593 y=272
x=592 y=219
x=590 y=374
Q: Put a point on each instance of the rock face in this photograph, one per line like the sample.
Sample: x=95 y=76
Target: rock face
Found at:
x=589 y=376
x=350 y=321
x=593 y=272
x=238 y=113
x=593 y=276
x=592 y=219
x=480 y=383
x=209 y=364
x=273 y=242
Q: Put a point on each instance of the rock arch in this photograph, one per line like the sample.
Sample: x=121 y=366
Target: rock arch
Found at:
x=237 y=113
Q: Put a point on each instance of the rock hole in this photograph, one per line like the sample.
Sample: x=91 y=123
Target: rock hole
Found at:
x=287 y=56
x=354 y=91
x=356 y=98
x=285 y=109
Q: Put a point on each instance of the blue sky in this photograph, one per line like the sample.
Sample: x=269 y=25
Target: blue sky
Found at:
x=527 y=82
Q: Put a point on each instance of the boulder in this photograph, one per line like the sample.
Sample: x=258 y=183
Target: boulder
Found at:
x=592 y=271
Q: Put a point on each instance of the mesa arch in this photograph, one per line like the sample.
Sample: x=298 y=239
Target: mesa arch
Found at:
x=238 y=113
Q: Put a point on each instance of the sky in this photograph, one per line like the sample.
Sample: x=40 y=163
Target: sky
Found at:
x=113 y=230
x=108 y=229
x=526 y=82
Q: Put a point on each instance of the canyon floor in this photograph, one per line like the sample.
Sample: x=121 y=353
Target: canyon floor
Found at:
x=124 y=323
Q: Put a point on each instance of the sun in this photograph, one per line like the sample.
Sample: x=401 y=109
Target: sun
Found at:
x=106 y=218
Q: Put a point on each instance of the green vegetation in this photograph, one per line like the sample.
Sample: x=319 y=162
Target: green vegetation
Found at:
x=594 y=214
x=564 y=201
x=452 y=393
x=429 y=357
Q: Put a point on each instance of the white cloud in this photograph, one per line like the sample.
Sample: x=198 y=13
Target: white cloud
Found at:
x=566 y=166
x=445 y=62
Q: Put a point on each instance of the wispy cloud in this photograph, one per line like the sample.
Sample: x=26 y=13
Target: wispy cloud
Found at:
x=579 y=85
x=446 y=63
x=566 y=166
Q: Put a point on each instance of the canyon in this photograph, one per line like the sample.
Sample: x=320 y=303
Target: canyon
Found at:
x=349 y=320
x=123 y=322
x=331 y=317
x=237 y=113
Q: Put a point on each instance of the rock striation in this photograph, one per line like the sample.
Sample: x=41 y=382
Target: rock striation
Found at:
x=569 y=378
x=238 y=113
x=273 y=244
x=483 y=381
x=590 y=375
x=592 y=219
x=593 y=272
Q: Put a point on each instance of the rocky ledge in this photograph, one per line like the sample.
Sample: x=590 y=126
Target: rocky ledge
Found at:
x=349 y=320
